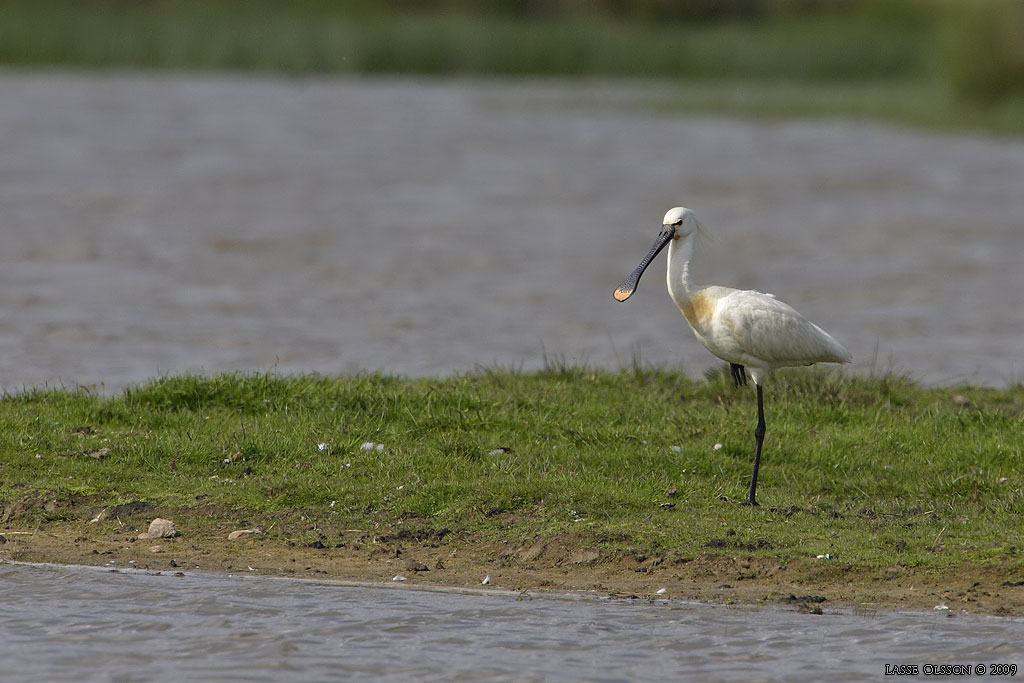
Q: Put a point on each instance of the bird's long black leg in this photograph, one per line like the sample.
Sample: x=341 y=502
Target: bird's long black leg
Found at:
x=739 y=374
x=758 y=440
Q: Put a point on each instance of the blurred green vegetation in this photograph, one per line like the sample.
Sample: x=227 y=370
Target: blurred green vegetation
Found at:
x=649 y=38
x=970 y=50
x=980 y=48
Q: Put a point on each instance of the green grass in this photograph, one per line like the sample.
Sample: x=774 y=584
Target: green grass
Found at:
x=870 y=470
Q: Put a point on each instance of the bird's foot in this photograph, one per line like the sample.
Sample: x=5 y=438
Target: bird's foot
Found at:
x=746 y=502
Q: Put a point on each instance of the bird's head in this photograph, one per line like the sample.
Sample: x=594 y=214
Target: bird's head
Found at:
x=678 y=223
x=683 y=221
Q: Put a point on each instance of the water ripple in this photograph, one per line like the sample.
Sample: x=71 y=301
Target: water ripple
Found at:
x=84 y=624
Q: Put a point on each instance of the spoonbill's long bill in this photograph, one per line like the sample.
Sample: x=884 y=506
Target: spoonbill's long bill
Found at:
x=746 y=329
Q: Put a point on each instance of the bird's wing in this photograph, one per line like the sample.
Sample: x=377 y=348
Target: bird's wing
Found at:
x=771 y=332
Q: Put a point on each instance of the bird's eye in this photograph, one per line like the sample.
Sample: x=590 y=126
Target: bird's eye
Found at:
x=678 y=222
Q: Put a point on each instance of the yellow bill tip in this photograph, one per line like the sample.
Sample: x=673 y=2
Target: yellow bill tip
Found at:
x=622 y=294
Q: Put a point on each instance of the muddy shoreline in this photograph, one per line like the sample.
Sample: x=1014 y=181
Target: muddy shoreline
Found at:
x=427 y=558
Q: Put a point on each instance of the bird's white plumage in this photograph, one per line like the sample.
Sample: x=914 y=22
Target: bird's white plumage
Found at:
x=745 y=327
x=755 y=329
x=676 y=213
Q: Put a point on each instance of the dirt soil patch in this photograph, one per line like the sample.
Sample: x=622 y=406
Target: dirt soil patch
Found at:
x=291 y=545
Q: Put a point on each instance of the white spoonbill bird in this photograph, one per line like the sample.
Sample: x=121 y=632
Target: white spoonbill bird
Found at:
x=746 y=329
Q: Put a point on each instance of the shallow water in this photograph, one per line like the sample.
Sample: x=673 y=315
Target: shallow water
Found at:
x=159 y=224
x=89 y=624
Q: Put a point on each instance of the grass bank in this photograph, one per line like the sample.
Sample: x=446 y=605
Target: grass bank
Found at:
x=914 y=104
x=618 y=480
